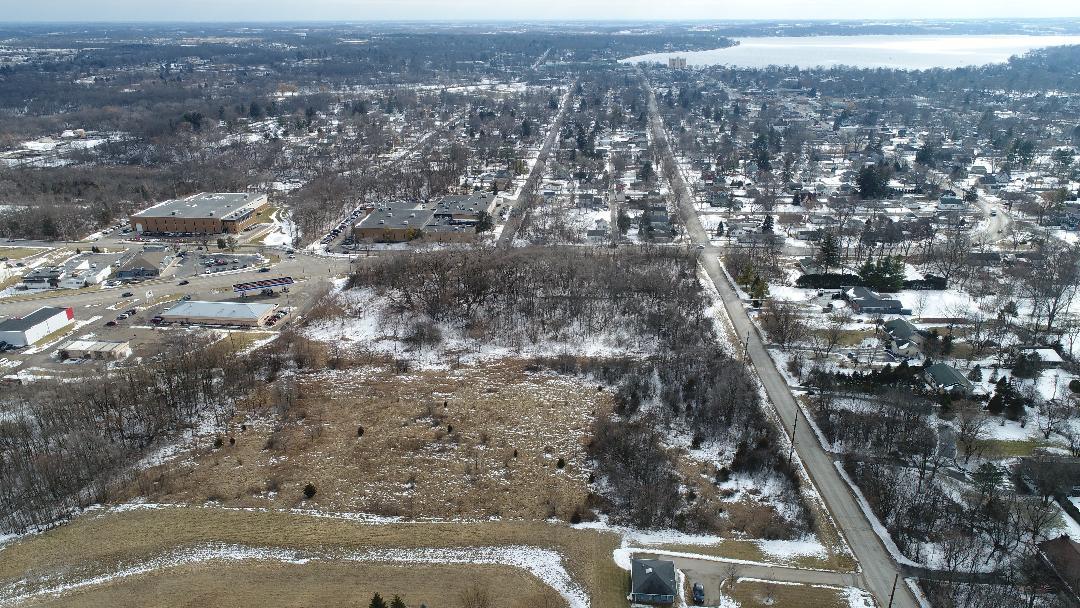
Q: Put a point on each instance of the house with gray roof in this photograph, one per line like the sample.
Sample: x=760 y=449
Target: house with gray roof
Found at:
x=947 y=379
x=904 y=339
x=868 y=302
x=652 y=581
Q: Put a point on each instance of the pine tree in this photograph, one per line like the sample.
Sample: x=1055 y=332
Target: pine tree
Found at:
x=377 y=601
x=996 y=405
x=868 y=272
x=767 y=225
x=759 y=289
x=828 y=255
x=397 y=602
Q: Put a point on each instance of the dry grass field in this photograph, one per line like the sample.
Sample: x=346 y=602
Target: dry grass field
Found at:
x=100 y=543
x=323 y=584
x=474 y=442
x=755 y=594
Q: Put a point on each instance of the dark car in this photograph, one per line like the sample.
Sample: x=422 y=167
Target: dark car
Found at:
x=184 y=282
x=127 y=294
x=111 y=324
x=698 y=593
x=264 y=269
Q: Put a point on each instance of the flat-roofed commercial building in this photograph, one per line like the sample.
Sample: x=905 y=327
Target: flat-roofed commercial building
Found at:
x=95 y=349
x=205 y=213
x=393 y=224
x=24 y=331
x=246 y=314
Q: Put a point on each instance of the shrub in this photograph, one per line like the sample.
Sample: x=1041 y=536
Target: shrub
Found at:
x=309 y=491
x=831 y=280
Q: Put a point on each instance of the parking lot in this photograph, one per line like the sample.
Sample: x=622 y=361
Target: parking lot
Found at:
x=127 y=311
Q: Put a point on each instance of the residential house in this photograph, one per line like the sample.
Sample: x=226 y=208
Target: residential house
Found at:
x=600 y=232
x=947 y=379
x=652 y=581
x=904 y=339
x=1062 y=557
x=865 y=301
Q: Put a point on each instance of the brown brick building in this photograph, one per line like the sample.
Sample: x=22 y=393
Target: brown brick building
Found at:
x=205 y=213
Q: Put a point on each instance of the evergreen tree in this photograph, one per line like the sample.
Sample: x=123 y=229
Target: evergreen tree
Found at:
x=397 y=602
x=873 y=181
x=828 y=255
x=996 y=405
x=484 y=222
x=377 y=601
x=988 y=478
x=759 y=289
x=767 y=225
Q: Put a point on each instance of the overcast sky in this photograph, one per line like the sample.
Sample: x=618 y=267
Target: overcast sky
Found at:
x=364 y=10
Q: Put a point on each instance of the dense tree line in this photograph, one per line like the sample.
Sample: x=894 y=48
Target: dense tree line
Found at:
x=67 y=445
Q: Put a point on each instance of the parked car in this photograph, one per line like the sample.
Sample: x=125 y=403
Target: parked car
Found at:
x=127 y=294
x=184 y=282
x=111 y=324
x=156 y=320
x=264 y=269
x=698 y=593
x=122 y=316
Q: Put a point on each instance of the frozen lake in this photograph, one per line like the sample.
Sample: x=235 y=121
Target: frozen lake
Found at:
x=903 y=52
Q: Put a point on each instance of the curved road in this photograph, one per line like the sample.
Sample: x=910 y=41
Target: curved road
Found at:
x=879 y=570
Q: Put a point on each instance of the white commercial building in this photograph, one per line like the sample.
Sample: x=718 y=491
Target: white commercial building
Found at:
x=24 y=331
x=247 y=314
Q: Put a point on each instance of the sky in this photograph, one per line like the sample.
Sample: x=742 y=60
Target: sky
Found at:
x=429 y=10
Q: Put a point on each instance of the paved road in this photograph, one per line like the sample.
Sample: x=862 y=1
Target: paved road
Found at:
x=997 y=226
x=878 y=568
x=712 y=573
x=517 y=212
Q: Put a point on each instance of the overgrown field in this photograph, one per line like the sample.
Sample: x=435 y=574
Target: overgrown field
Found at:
x=488 y=441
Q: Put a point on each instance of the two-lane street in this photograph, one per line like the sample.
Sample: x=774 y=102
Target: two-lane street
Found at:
x=879 y=570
